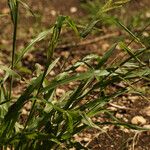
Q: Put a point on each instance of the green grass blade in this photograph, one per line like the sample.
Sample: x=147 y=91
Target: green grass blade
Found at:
x=9 y=71
x=72 y=24
x=55 y=36
x=86 y=120
x=129 y=51
x=89 y=28
x=70 y=122
x=109 y=5
x=13 y=5
x=106 y=56
x=128 y=31
x=40 y=37
x=80 y=76
x=26 y=7
x=13 y=112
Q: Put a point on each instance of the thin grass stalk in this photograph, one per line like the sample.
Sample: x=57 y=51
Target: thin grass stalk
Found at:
x=53 y=43
x=15 y=25
x=49 y=59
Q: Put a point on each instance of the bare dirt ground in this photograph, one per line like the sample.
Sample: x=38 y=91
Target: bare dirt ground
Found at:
x=130 y=107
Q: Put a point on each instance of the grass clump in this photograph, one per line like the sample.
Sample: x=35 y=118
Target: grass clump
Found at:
x=52 y=121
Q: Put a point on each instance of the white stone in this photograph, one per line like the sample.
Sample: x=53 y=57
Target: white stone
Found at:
x=133 y=98
x=147 y=126
x=73 y=9
x=148 y=14
x=86 y=139
x=145 y=34
x=53 y=12
x=52 y=73
x=24 y=112
x=146 y=111
x=60 y=91
x=28 y=105
x=138 y=120
x=81 y=69
x=112 y=108
x=119 y=115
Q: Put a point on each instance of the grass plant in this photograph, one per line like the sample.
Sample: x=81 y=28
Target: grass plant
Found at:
x=52 y=120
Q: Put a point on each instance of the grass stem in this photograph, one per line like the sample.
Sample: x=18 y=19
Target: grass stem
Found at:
x=15 y=24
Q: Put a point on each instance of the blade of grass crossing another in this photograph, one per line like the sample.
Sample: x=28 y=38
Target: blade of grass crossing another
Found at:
x=128 y=31
x=129 y=51
x=110 y=5
x=55 y=36
x=80 y=76
x=39 y=37
x=26 y=7
x=13 y=112
x=106 y=56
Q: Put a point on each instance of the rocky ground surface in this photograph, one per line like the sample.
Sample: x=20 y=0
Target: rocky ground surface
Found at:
x=130 y=108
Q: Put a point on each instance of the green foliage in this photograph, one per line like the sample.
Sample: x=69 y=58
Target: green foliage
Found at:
x=52 y=120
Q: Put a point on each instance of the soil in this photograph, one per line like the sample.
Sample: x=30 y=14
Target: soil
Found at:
x=124 y=108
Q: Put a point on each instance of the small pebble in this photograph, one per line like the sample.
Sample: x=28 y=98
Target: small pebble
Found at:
x=73 y=9
x=124 y=98
x=119 y=115
x=147 y=111
x=72 y=149
x=28 y=106
x=1 y=72
x=53 y=12
x=81 y=69
x=147 y=126
x=133 y=98
x=5 y=10
x=60 y=91
x=86 y=139
x=112 y=108
x=148 y=14
x=139 y=120
x=65 y=54
x=125 y=119
x=52 y=73
x=24 y=112
x=145 y=34
x=126 y=130
x=105 y=46
x=94 y=119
